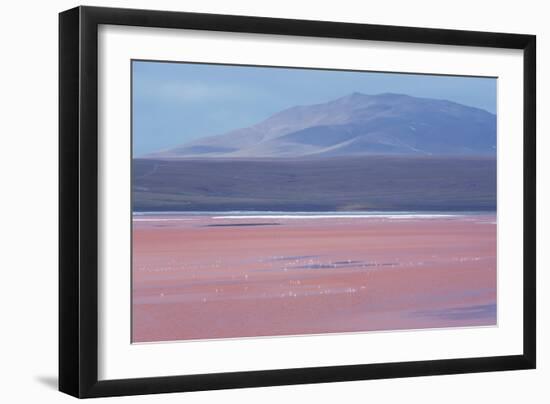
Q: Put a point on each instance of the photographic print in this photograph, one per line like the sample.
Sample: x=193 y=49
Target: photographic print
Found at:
x=276 y=201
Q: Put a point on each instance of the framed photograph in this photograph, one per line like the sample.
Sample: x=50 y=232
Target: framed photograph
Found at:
x=251 y=201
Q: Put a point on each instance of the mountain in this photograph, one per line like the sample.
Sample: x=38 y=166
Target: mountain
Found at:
x=356 y=125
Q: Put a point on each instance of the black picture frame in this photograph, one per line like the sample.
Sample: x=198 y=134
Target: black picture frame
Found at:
x=78 y=201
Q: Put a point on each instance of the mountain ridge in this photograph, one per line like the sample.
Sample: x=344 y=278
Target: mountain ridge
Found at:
x=355 y=125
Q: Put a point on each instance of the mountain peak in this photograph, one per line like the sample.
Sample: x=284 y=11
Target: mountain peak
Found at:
x=356 y=125
x=396 y=96
x=355 y=96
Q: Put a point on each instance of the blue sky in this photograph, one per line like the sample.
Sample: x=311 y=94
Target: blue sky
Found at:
x=174 y=103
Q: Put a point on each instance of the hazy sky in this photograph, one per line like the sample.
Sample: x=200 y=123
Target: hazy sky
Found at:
x=174 y=103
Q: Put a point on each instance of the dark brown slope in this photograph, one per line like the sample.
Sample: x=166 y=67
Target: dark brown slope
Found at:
x=328 y=184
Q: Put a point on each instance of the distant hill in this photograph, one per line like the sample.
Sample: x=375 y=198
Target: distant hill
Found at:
x=355 y=125
x=446 y=183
